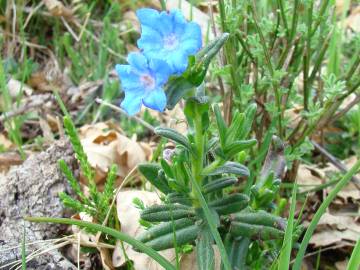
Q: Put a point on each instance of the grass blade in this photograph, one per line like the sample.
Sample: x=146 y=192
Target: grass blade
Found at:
x=106 y=230
x=284 y=260
x=23 y=250
x=310 y=230
x=354 y=262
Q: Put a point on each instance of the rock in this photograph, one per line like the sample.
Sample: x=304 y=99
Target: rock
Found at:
x=31 y=189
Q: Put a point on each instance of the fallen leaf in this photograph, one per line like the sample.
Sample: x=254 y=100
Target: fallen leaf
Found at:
x=105 y=146
x=350 y=191
x=342 y=265
x=353 y=21
x=129 y=217
x=334 y=229
x=15 y=87
x=5 y=142
x=308 y=177
x=57 y=9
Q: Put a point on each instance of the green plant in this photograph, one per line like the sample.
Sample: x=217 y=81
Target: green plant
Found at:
x=276 y=55
x=97 y=205
x=203 y=203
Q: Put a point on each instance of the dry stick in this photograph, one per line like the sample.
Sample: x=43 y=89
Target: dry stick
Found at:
x=32 y=12
x=37 y=254
x=28 y=106
x=115 y=108
x=27 y=43
x=338 y=164
x=347 y=108
x=32 y=255
x=322 y=250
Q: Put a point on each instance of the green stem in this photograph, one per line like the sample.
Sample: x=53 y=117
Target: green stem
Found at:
x=196 y=180
x=354 y=262
x=307 y=57
x=283 y=15
x=285 y=255
x=270 y=68
x=163 y=4
x=106 y=230
x=315 y=220
x=198 y=161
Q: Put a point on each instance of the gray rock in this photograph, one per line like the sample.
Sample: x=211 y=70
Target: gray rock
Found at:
x=31 y=189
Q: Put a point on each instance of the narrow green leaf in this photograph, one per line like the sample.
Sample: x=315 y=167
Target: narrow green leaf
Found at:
x=239 y=251
x=204 y=250
x=260 y=217
x=249 y=118
x=258 y=231
x=167 y=214
x=165 y=228
x=151 y=172
x=183 y=236
x=212 y=225
x=106 y=230
x=354 y=262
x=235 y=147
x=233 y=133
x=315 y=220
x=219 y=184
x=230 y=204
x=23 y=249
x=174 y=136
x=285 y=254
x=231 y=168
x=221 y=125
x=176 y=89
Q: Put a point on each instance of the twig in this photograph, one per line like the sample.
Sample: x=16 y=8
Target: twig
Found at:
x=347 y=108
x=137 y=119
x=324 y=249
x=338 y=164
x=32 y=12
x=34 y=103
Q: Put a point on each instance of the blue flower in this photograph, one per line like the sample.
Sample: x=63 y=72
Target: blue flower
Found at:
x=168 y=36
x=142 y=82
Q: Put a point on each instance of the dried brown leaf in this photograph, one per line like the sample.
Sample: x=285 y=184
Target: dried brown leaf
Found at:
x=105 y=146
x=57 y=9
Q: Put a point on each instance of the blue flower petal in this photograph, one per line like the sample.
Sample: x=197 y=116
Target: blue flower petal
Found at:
x=148 y=16
x=161 y=71
x=178 y=61
x=179 y=22
x=155 y=99
x=165 y=24
x=150 y=39
x=192 y=32
x=128 y=78
x=191 y=46
x=155 y=20
x=133 y=100
x=138 y=61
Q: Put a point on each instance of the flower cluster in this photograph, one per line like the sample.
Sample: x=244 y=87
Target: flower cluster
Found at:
x=166 y=42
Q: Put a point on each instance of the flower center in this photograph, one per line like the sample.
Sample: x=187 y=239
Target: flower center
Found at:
x=147 y=81
x=171 y=42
